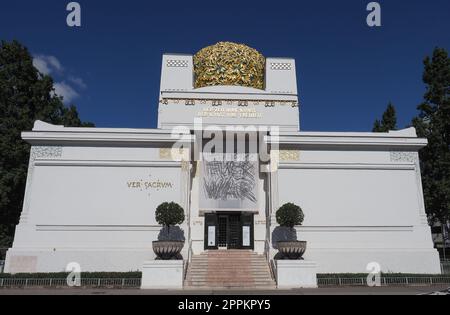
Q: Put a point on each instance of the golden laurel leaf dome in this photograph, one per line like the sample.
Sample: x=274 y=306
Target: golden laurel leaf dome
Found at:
x=227 y=63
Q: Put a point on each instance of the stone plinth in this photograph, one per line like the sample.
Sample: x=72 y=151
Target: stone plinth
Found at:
x=293 y=274
x=162 y=274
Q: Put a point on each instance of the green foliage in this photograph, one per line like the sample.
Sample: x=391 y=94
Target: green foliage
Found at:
x=168 y=214
x=289 y=215
x=388 y=121
x=25 y=96
x=364 y=275
x=84 y=275
x=5 y=239
x=433 y=123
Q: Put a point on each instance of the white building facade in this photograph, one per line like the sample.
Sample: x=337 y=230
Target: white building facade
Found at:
x=91 y=193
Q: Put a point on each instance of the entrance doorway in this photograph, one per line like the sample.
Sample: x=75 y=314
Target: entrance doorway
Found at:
x=229 y=230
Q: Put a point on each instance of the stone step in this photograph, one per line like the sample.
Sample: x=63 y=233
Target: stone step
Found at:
x=229 y=263
x=221 y=281
x=226 y=272
x=229 y=269
x=223 y=276
x=228 y=252
x=234 y=275
x=229 y=278
x=230 y=255
x=254 y=281
x=223 y=288
x=227 y=266
x=231 y=284
x=228 y=259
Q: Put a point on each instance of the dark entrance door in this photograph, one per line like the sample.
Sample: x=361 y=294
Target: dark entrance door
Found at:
x=229 y=230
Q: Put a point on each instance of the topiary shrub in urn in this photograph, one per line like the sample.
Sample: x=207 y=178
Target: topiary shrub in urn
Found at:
x=288 y=216
x=168 y=214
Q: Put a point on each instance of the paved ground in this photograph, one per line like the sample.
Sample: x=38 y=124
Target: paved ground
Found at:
x=322 y=291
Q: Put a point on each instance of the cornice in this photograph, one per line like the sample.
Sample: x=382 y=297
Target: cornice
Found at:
x=102 y=137
x=335 y=140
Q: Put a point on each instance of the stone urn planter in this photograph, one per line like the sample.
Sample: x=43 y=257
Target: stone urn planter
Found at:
x=291 y=249
x=167 y=250
x=288 y=217
x=168 y=214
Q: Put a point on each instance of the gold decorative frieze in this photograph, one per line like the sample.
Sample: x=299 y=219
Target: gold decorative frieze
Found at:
x=230 y=112
x=165 y=154
x=198 y=165
x=228 y=102
x=174 y=154
x=289 y=155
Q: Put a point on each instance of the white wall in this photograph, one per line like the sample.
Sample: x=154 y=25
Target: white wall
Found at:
x=176 y=114
x=360 y=207
x=349 y=197
x=101 y=195
x=95 y=206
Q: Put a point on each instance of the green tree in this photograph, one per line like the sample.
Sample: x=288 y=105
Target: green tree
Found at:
x=388 y=121
x=433 y=123
x=168 y=214
x=25 y=96
x=289 y=215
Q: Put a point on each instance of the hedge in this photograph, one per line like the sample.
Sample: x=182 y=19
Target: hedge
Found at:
x=383 y=275
x=138 y=275
x=63 y=275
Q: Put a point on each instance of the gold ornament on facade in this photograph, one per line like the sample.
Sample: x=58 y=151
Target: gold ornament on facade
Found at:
x=227 y=63
x=289 y=155
x=174 y=154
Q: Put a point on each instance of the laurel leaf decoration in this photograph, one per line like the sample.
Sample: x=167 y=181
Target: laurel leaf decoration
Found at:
x=227 y=63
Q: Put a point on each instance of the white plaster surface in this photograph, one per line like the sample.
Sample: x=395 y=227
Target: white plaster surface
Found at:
x=292 y=274
x=162 y=274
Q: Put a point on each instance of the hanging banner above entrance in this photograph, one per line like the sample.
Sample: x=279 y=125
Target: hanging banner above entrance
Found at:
x=229 y=182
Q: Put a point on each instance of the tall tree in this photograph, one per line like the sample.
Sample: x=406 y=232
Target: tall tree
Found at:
x=433 y=123
x=388 y=121
x=25 y=96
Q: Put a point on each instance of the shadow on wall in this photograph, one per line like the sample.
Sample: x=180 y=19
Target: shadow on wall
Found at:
x=282 y=234
x=175 y=233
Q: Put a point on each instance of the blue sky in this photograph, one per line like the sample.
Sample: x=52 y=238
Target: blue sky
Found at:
x=347 y=72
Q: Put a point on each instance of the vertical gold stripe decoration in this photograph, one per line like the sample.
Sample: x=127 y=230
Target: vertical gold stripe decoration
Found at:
x=185 y=166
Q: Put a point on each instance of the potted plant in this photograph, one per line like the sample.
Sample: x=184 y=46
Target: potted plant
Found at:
x=288 y=216
x=168 y=215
